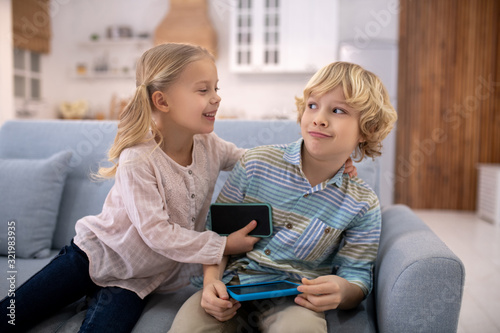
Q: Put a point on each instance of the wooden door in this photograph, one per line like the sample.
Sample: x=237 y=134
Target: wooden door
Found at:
x=448 y=100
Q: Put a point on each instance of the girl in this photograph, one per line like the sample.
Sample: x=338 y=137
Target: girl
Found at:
x=166 y=161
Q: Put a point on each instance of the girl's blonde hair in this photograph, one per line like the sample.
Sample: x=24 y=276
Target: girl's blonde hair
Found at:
x=364 y=92
x=157 y=69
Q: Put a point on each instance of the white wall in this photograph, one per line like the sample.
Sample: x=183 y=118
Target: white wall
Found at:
x=363 y=20
x=248 y=95
x=365 y=24
x=6 y=63
x=73 y=21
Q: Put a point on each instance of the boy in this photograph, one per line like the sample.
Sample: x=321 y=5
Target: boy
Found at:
x=326 y=225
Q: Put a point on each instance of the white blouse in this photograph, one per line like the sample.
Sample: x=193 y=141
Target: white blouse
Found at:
x=150 y=235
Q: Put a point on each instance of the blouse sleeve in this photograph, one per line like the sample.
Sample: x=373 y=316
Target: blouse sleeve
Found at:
x=229 y=152
x=138 y=184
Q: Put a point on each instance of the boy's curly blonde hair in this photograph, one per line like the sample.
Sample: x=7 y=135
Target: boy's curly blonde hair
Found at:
x=364 y=92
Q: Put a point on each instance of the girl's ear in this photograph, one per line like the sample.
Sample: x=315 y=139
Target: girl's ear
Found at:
x=159 y=101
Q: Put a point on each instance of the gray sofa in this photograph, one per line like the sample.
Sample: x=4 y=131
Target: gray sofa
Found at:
x=418 y=280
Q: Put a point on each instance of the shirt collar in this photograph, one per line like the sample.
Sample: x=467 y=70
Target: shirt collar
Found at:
x=293 y=156
x=292 y=152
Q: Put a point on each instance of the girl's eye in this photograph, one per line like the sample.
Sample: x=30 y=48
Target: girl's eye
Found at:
x=338 y=111
x=312 y=106
x=206 y=90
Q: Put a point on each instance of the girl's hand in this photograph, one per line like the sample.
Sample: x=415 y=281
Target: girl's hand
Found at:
x=350 y=168
x=239 y=241
x=328 y=292
x=216 y=302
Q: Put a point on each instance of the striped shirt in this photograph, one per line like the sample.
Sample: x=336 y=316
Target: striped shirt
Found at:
x=331 y=228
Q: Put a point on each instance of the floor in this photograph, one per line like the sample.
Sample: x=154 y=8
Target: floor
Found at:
x=477 y=244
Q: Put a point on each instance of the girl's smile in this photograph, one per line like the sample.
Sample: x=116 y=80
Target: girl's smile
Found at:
x=210 y=116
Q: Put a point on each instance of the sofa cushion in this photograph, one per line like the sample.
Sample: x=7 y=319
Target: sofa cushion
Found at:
x=88 y=140
x=29 y=203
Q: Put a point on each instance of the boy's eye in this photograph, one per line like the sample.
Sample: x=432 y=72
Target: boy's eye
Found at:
x=312 y=106
x=338 y=111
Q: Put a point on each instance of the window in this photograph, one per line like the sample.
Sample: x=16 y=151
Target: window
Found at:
x=27 y=81
x=27 y=75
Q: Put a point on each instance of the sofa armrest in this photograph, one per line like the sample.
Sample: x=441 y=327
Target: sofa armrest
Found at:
x=418 y=279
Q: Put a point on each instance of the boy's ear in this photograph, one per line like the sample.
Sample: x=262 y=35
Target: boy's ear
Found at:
x=159 y=101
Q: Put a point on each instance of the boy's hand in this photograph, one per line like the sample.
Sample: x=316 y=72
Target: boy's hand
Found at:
x=239 y=241
x=216 y=302
x=350 y=168
x=328 y=292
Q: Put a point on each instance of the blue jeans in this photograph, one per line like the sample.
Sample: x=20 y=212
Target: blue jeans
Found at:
x=66 y=280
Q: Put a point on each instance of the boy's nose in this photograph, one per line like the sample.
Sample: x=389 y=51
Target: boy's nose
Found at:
x=320 y=121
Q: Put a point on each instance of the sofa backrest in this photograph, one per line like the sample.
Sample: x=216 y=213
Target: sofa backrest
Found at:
x=89 y=142
x=252 y=133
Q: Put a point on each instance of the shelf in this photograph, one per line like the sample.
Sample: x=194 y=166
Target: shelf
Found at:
x=140 y=42
x=99 y=76
x=108 y=59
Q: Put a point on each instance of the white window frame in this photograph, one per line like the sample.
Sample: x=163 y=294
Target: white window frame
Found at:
x=27 y=105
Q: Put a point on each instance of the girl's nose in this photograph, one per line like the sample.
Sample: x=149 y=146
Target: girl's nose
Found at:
x=215 y=99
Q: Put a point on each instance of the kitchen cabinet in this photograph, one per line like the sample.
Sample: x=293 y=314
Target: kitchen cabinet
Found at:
x=277 y=36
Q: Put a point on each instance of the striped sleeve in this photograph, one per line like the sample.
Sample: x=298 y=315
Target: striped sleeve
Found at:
x=354 y=261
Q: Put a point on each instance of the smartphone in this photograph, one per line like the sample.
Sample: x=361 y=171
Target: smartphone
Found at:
x=226 y=218
x=248 y=292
